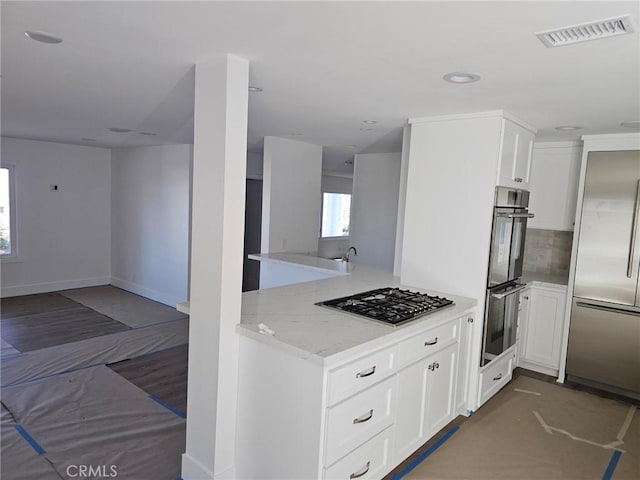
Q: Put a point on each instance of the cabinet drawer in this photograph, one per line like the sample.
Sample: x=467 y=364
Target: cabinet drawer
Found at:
x=426 y=343
x=495 y=376
x=356 y=420
x=356 y=376
x=371 y=460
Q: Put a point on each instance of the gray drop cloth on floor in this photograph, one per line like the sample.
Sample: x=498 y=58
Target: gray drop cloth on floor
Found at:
x=95 y=417
x=19 y=461
x=125 y=307
x=84 y=353
x=7 y=350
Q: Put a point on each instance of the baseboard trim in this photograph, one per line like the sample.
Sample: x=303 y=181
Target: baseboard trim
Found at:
x=17 y=290
x=538 y=368
x=164 y=298
x=194 y=470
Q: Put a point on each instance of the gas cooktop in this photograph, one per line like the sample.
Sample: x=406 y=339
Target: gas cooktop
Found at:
x=389 y=305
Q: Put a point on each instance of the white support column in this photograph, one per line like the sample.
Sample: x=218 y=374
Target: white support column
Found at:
x=217 y=229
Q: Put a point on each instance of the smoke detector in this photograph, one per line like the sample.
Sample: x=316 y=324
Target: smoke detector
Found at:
x=585 y=32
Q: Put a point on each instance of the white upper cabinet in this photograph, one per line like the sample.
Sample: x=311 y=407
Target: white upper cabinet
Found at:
x=554 y=185
x=515 y=156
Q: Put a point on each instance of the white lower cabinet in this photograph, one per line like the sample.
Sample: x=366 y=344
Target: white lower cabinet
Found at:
x=359 y=418
x=496 y=375
x=369 y=461
x=426 y=394
x=541 y=324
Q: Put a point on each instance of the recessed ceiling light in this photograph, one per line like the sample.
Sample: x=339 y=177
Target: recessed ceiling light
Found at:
x=568 y=128
x=120 y=130
x=255 y=89
x=43 y=37
x=351 y=146
x=631 y=124
x=149 y=134
x=369 y=122
x=461 y=77
x=88 y=139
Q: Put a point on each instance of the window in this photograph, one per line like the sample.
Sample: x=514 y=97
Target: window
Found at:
x=336 y=214
x=8 y=246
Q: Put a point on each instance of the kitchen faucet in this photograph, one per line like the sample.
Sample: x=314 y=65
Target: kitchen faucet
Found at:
x=345 y=256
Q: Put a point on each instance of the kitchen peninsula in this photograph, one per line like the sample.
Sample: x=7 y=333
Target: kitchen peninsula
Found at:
x=326 y=394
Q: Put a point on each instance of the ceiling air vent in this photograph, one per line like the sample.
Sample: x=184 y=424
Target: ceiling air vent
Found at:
x=587 y=31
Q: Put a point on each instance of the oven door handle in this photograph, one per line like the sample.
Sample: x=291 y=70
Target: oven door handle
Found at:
x=511 y=291
x=515 y=215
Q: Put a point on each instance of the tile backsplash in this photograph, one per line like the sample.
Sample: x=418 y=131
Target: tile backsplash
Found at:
x=547 y=251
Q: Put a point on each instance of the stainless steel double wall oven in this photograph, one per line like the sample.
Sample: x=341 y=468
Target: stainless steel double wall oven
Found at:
x=506 y=258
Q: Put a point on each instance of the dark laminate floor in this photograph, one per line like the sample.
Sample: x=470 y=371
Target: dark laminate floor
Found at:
x=161 y=374
x=35 y=304
x=27 y=332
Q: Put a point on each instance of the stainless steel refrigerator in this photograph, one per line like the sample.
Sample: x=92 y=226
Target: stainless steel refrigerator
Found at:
x=604 y=333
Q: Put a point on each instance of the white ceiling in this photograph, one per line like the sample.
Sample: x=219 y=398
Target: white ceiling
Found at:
x=324 y=67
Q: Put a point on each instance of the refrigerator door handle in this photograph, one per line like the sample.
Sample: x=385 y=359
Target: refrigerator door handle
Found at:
x=634 y=227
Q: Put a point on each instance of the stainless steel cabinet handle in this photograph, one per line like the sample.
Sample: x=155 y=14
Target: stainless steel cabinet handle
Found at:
x=498 y=377
x=361 y=472
x=431 y=342
x=518 y=179
x=366 y=373
x=515 y=215
x=634 y=227
x=364 y=418
x=498 y=296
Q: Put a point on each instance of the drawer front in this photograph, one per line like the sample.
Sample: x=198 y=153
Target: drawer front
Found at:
x=426 y=343
x=495 y=376
x=364 y=372
x=354 y=421
x=370 y=461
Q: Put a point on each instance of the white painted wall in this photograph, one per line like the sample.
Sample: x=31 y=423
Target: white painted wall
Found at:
x=254 y=165
x=290 y=196
x=374 y=208
x=150 y=221
x=402 y=199
x=335 y=184
x=64 y=235
x=219 y=178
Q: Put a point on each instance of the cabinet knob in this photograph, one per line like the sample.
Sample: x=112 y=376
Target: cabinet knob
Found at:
x=470 y=319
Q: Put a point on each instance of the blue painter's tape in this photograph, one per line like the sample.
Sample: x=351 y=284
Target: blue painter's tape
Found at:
x=432 y=449
x=35 y=445
x=168 y=407
x=608 y=474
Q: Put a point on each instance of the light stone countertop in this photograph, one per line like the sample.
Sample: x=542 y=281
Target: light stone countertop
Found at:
x=546 y=280
x=323 y=335
x=306 y=262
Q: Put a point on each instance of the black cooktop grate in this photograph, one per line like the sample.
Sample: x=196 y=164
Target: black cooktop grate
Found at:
x=389 y=305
